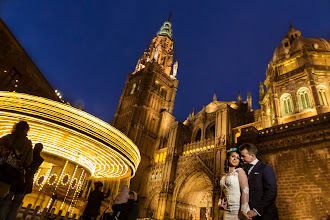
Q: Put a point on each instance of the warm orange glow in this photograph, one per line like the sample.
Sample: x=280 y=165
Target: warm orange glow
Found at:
x=71 y=134
x=236 y=137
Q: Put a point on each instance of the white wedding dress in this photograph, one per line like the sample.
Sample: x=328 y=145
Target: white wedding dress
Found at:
x=233 y=184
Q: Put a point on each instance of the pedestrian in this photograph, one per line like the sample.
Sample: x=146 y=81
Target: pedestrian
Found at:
x=121 y=199
x=18 y=191
x=15 y=155
x=130 y=209
x=92 y=209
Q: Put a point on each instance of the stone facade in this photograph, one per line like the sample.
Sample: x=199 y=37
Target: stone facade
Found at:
x=182 y=163
x=145 y=108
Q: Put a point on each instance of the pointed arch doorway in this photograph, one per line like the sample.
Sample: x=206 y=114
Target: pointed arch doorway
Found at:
x=194 y=197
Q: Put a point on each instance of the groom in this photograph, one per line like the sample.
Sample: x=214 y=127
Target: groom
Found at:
x=262 y=184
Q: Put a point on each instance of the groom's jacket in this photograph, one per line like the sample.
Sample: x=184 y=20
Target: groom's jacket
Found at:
x=263 y=191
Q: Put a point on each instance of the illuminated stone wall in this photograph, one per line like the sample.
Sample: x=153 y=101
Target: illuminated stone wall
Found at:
x=144 y=112
x=290 y=129
x=297 y=80
x=299 y=154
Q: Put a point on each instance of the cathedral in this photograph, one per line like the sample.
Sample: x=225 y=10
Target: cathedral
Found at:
x=182 y=162
x=176 y=166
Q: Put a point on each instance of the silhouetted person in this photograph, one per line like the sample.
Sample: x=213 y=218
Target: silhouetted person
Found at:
x=131 y=209
x=95 y=198
x=120 y=200
x=18 y=191
x=16 y=152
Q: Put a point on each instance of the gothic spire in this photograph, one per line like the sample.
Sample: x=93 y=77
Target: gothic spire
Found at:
x=249 y=101
x=166 y=29
x=215 y=97
x=169 y=17
x=239 y=98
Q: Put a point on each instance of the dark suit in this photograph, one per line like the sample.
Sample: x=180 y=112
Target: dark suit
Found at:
x=263 y=191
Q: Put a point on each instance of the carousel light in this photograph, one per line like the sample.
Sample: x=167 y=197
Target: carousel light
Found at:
x=49 y=179
x=35 y=177
x=78 y=188
x=61 y=175
x=46 y=178
x=70 y=185
x=90 y=142
x=68 y=179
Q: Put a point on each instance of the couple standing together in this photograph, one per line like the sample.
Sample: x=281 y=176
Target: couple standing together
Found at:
x=250 y=193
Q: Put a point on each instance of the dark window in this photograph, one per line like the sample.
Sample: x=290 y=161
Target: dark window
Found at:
x=156 y=87
x=10 y=79
x=286 y=44
x=210 y=132
x=138 y=85
x=163 y=93
x=198 y=135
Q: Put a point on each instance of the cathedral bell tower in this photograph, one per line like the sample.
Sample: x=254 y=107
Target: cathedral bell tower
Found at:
x=144 y=112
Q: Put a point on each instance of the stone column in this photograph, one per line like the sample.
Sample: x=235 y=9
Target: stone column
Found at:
x=275 y=103
x=317 y=104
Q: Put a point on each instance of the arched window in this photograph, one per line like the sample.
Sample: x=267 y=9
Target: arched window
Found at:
x=304 y=98
x=286 y=104
x=163 y=92
x=133 y=88
x=198 y=135
x=161 y=157
x=157 y=158
x=156 y=87
x=238 y=134
x=322 y=92
x=210 y=131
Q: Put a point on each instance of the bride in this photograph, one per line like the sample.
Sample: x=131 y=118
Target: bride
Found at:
x=234 y=183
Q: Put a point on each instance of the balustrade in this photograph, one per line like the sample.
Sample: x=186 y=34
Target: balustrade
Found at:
x=198 y=146
x=306 y=122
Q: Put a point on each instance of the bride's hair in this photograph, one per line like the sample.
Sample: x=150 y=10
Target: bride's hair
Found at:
x=229 y=152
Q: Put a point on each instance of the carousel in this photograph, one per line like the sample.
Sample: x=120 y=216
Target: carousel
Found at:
x=79 y=149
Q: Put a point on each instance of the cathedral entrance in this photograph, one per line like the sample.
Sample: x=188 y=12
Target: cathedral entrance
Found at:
x=194 y=199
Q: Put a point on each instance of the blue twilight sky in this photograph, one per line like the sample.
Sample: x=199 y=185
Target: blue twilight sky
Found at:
x=86 y=48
